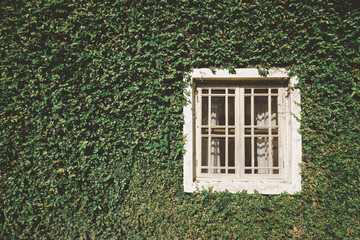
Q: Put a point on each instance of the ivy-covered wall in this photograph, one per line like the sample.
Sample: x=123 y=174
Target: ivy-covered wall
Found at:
x=91 y=117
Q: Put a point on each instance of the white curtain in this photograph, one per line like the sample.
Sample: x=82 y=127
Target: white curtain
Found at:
x=215 y=144
x=262 y=144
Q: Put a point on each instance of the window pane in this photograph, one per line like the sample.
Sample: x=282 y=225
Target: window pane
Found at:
x=217 y=91
x=247 y=91
x=205 y=91
x=274 y=110
x=274 y=131
x=261 y=90
x=204 y=131
x=231 y=110
x=205 y=110
x=261 y=145
x=217 y=152
x=261 y=131
x=275 y=90
x=275 y=153
x=218 y=131
x=261 y=114
x=231 y=131
x=217 y=111
x=247 y=152
x=231 y=153
x=217 y=157
x=247 y=111
x=231 y=91
x=204 y=151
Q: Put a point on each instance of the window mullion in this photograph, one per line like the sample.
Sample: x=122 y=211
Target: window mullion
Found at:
x=282 y=132
x=209 y=132
x=252 y=132
x=226 y=131
x=270 y=137
x=239 y=123
x=198 y=120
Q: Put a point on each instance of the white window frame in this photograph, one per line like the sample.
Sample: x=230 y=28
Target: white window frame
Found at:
x=290 y=181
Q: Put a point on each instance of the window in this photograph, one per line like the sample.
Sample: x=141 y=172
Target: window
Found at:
x=241 y=132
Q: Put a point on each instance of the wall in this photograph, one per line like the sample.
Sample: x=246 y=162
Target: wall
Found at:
x=91 y=116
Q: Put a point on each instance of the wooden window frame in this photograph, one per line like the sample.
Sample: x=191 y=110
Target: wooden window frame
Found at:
x=290 y=179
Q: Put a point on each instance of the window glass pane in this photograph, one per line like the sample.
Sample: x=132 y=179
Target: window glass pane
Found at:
x=217 y=111
x=261 y=113
x=247 y=131
x=205 y=110
x=261 y=145
x=247 y=111
x=248 y=171
x=231 y=91
x=218 y=131
x=205 y=91
x=274 y=111
x=261 y=131
x=231 y=153
x=247 y=91
x=217 y=157
x=274 y=131
x=247 y=152
x=275 y=90
x=231 y=131
x=231 y=110
x=204 y=131
x=261 y=90
x=204 y=151
x=275 y=153
x=217 y=152
x=217 y=91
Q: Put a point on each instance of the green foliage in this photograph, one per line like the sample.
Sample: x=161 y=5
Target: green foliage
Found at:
x=91 y=116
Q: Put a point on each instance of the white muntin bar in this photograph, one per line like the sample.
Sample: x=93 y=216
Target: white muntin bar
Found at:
x=240 y=123
x=226 y=128
x=252 y=129
x=209 y=138
x=198 y=120
x=270 y=163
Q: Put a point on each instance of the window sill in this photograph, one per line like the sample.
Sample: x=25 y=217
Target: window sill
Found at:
x=250 y=185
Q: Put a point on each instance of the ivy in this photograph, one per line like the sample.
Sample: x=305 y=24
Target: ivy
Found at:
x=91 y=100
